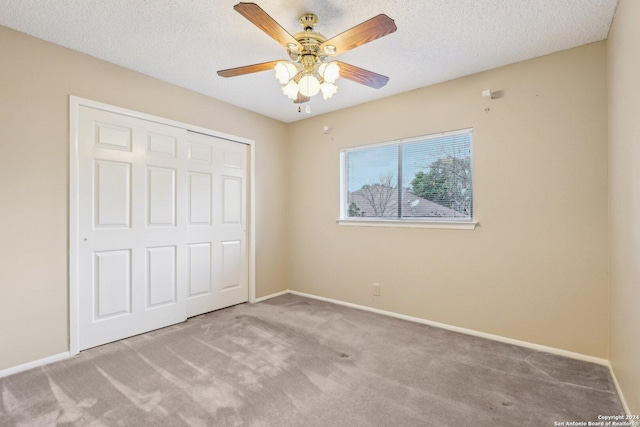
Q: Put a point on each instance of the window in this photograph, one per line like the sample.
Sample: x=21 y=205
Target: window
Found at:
x=424 y=180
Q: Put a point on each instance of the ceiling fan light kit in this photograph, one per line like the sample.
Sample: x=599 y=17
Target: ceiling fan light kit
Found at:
x=307 y=82
x=309 y=70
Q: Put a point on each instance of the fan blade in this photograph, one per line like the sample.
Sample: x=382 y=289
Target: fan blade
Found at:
x=301 y=99
x=247 y=69
x=368 y=31
x=362 y=76
x=262 y=20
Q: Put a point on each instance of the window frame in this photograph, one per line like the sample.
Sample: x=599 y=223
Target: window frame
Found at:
x=449 y=223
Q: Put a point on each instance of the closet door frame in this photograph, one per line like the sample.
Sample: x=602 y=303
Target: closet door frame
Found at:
x=74 y=193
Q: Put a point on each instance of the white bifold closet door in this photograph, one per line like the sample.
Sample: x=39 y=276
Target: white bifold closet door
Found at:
x=217 y=263
x=162 y=225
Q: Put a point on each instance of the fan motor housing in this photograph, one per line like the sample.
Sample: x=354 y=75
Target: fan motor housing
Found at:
x=310 y=42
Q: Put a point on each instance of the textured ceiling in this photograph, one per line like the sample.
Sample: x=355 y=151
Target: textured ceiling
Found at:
x=186 y=41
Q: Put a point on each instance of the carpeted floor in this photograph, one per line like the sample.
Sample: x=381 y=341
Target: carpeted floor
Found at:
x=292 y=361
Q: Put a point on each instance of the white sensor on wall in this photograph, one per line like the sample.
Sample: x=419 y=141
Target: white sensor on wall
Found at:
x=487 y=94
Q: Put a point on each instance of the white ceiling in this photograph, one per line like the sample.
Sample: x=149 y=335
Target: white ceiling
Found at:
x=186 y=41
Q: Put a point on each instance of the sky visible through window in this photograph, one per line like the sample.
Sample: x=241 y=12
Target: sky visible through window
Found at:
x=368 y=165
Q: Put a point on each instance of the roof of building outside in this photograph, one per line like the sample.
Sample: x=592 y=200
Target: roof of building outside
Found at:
x=385 y=204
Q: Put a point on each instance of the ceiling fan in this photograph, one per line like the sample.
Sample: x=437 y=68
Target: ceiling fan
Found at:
x=310 y=69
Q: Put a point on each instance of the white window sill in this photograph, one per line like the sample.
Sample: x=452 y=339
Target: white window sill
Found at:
x=450 y=225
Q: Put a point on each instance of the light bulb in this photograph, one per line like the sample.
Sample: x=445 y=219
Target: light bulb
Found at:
x=309 y=85
x=328 y=89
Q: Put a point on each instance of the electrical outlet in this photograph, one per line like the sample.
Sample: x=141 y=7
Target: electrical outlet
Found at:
x=376 y=289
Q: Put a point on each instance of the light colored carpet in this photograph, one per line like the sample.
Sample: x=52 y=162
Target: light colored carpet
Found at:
x=292 y=361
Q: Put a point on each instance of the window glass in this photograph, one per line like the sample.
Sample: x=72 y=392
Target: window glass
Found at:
x=373 y=181
x=425 y=178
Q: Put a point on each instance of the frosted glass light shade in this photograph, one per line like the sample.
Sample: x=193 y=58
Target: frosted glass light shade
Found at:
x=291 y=89
x=309 y=85
x=328 y=89
x=284 y=72
x=329 y=72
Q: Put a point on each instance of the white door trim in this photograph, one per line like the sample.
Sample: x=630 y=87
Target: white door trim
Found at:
x=74 y=108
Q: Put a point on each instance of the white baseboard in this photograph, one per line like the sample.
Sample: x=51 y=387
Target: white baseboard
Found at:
x=619 y=390
x=493 y=337
x=266 y=297
x=34 y=364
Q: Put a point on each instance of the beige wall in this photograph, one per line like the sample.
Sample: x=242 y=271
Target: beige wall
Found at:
x=624 y=198
x=36 y=79
x=536 y=267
